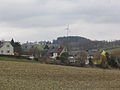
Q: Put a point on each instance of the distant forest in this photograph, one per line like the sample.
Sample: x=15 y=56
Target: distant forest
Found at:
x=81 y=43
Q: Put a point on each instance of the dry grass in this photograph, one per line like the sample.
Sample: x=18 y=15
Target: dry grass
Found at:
x=35 y=76
x=115 y=52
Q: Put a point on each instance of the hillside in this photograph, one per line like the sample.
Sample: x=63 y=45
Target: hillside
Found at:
x=82 y=43
x=35 y=76
x=115 y=51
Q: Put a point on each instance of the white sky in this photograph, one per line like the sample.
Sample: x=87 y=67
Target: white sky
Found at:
x=36 y=20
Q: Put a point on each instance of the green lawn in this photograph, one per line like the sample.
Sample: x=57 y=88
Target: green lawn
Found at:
x=15 y=59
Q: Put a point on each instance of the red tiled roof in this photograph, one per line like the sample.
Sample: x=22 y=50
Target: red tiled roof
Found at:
x=59 y=50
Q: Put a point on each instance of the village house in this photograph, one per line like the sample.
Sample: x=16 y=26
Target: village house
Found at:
x=57 y=52
x=42 y=49
x=6 y=48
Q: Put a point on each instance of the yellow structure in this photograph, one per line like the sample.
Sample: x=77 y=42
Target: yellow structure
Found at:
x=103 y=53
x=100 y=58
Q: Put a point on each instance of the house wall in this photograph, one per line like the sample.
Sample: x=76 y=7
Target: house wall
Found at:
x=7 y=49
x=55 y=55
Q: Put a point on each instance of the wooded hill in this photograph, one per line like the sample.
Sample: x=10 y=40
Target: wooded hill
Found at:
x=81 y=43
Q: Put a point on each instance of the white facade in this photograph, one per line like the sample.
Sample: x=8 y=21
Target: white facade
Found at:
x=6 y=48
x=55 y=55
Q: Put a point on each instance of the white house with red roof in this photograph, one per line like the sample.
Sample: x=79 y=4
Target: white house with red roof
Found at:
x=58 y=52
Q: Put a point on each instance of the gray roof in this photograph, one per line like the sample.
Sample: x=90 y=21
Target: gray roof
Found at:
x=2 y=43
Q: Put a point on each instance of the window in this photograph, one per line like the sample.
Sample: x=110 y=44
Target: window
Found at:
x=8 y=51
x=8 y=46
x=1 y=51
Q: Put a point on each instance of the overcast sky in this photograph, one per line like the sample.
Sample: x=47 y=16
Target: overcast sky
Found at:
x=36 y=20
